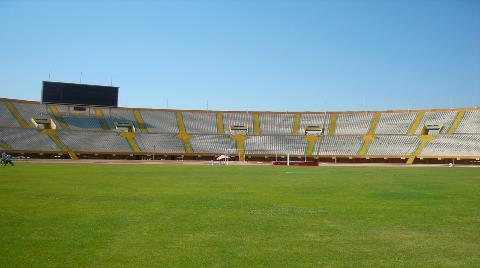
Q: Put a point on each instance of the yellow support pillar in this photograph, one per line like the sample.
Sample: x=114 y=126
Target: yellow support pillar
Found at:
x=140 y=122
x=333 y=124
x=72 y=155
x=424 y=140
x=130 y=137
x=52 y=134
x=296 y=124
x=256 y=123
x=367 y=139
x=16 y=114
x=100 y=117
x=457 y=121
x=311 y=140
x=181 y=125
x=374 y=124
x=220 y=129
x=183 y=134
x=56 y=114
x=415 y=124
x=239 y=139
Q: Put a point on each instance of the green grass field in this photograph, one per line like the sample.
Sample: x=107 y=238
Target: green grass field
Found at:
x=71 y=215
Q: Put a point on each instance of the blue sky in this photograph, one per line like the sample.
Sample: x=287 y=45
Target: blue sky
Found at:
x=249 y=55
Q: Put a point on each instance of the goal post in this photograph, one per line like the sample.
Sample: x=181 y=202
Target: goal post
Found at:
x=287 y=159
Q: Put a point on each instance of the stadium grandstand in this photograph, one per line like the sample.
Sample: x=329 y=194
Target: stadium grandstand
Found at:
x=42 y=130
x=258 y=134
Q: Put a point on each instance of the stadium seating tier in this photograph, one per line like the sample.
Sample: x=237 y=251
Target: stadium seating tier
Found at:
x=392 y=133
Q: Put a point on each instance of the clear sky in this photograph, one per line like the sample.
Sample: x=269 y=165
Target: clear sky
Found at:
x=249 y=55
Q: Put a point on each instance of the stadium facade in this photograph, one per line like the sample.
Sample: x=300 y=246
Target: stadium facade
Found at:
x=41 y=130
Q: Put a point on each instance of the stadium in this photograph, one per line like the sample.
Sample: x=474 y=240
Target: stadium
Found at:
x=239 y=133
x=41 y=130
x=195 y=207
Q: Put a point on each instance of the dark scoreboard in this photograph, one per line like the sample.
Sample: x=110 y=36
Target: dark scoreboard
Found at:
x=82 y=94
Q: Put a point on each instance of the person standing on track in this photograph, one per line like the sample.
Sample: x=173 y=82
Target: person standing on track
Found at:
x=7 y=160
